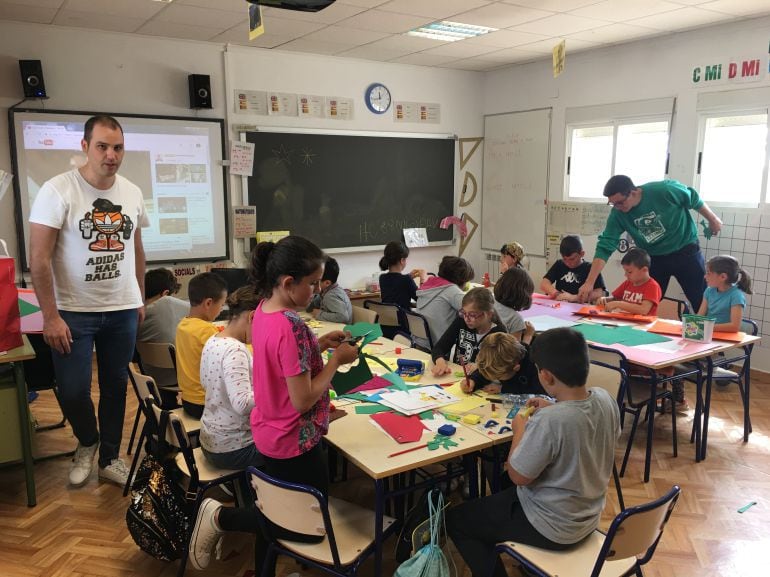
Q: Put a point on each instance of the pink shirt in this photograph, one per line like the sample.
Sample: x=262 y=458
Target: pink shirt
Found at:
x=284 y=346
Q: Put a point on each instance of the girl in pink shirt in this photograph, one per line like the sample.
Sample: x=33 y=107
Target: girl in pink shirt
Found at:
x=291 y=390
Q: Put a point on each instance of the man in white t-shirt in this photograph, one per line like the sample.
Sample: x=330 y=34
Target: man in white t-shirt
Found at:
x=87 y=265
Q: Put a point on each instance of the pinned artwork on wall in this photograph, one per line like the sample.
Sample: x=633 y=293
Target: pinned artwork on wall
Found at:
x=466 y=232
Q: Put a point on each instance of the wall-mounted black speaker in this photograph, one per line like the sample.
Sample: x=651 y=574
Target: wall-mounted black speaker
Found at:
x=200 y=90
x=32 y=78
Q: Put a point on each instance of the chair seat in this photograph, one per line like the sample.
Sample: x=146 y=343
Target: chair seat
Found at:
x=191 y=424
x=574 y=562
x=206 y=471
x=639 y=390
x=353 y=531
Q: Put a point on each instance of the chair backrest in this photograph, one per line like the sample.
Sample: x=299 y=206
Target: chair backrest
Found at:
x=176 y=434
x=402 y=339
x=610 y=378
x=387 y=313
x=361 y=315
x=299 y=508
x=161 y=355
x=636 y=531
x=418 y=326
x=144 y=386
x=672 y=309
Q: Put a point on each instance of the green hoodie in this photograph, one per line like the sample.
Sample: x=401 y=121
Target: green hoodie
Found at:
x=660 y=223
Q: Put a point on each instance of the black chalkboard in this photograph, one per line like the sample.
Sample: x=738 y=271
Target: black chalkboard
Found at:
x=350 y=191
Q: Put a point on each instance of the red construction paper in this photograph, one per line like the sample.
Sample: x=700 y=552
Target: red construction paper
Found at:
x=373 y=384
x=402 y=429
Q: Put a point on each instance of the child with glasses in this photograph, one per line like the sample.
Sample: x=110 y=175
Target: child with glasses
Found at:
x=476 y=319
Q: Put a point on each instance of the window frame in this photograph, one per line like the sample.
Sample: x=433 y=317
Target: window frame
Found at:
x=721 y=112
x=616 y=123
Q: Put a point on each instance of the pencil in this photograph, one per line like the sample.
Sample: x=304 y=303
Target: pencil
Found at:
x=396 y=454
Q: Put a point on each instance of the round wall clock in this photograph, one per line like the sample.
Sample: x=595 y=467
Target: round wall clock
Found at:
x=377 y=98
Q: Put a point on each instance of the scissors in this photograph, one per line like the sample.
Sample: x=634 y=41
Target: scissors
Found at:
x=355 y=340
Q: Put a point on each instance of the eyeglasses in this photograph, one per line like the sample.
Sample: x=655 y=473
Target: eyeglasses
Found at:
x=619 y=202
x=470 y=314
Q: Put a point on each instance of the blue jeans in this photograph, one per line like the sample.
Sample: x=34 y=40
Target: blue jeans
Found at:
x=688 y=267
x=114 y=335
x=238 y=459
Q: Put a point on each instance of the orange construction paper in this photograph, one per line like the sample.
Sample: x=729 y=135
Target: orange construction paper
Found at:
x=596 y=312
x=675 y=328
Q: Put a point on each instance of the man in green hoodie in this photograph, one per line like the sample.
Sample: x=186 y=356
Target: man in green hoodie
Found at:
x=657 y=216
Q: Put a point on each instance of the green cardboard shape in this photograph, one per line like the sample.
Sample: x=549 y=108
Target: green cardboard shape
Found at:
x=358 y=329
x=357 y=375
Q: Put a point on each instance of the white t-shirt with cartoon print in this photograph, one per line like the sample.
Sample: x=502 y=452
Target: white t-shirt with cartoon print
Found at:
x=93 y=262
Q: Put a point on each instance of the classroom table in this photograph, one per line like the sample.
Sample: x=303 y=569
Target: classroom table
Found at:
x=14 y=357
x=368 y=448
x=655 y=361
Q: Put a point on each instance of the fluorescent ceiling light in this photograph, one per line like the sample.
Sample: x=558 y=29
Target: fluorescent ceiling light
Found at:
x=450 y=31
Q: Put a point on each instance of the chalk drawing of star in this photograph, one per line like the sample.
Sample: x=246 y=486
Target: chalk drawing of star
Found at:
x=281 y=155
x=307 y=156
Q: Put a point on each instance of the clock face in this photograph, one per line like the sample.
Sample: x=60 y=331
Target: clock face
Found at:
x=378 y=98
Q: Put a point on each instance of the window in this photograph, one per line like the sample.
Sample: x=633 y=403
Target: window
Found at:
x=638 y=148
x=732 y=159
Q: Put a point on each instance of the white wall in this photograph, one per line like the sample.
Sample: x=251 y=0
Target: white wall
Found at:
x=102 y=71
x=655 y=68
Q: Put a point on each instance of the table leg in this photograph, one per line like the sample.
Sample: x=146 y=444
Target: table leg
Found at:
x=707 y=409
x=650 y=425
x=26 y=440
x=472 y=474
x=697 y=427
x=747 y=387
x=379 y=504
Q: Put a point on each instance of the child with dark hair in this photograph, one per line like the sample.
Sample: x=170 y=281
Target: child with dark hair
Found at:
x=639 y=293
x=291 y=388
x=725 y=296
x=504 y=366
x=331 y=303
x=440 y=298
x=207 y=292
x=162 y=313
x=225 y=435
x=396 y=287
x=511 y=256
x=560 y=461
x=476 y=320
x=513 y=293
x=565 y=277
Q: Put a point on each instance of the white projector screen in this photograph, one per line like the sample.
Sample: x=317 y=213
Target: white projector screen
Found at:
x=177 y=162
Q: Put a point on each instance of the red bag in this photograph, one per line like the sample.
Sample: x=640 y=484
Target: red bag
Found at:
x=10 y=322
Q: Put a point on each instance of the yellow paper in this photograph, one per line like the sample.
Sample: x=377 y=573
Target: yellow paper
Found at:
x=271 y=235
x=469 y=402
x=559 y=54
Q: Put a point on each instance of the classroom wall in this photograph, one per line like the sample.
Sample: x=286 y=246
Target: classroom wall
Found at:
x=646 y=69
x=92 y=70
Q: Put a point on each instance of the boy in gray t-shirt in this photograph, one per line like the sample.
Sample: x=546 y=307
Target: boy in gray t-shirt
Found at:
x=560 y=459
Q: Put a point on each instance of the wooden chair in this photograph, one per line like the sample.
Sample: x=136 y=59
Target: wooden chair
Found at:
x=419 y=329
x=638 y=396
x=347 y=529
x=730 y=369
x=388 y=315
x=361 y=315
x=160 y=355
x=629 y=544
x=144 y=388
x=672 y=309
x=613 y=380
x=193 y=464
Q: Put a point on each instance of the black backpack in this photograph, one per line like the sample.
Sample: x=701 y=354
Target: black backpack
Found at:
x=159 y=514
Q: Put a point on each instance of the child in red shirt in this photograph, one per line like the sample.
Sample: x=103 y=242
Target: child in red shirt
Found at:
x=639 y=294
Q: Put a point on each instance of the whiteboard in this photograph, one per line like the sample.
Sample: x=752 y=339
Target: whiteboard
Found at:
x=515 y=179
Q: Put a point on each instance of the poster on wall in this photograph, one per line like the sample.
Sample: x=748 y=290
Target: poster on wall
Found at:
x=244 y=221
x=250 y=102
x=338 y=108
x=310 y=106
x=419 y=112
x=282 y=104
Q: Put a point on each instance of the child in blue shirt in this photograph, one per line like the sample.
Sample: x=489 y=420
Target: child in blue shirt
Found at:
x=725 y=295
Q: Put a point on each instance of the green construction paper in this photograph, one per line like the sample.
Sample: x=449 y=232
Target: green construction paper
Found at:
x=633 y=337
x=371 y=409
x=398 y=382
x=356 y=376
x=426 y=415
x=358 y=329
x=354 y=396
x=599 y=333
x=26 y=308
x=441 y=441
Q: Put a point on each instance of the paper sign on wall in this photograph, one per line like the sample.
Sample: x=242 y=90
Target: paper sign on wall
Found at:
x=241 y=158
x=310 y=106
x=250 y=102
x=414 y=237
x=272 y=235
x=338 y=108
x=244 y=221
x=559 y=56
x=282 y=104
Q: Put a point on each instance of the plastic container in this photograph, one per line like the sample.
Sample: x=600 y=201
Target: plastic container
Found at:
x=697 y=328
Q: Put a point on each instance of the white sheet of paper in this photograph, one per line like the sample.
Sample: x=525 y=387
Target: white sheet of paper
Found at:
x=545 y=322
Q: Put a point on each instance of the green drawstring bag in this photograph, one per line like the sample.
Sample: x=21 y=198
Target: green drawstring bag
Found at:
x=429 y=561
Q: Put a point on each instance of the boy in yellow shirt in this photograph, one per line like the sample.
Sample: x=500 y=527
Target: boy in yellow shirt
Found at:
x=207 y=292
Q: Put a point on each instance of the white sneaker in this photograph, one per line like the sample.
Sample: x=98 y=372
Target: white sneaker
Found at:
x=206 y=536
x=82 y=463
x=116 y=471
